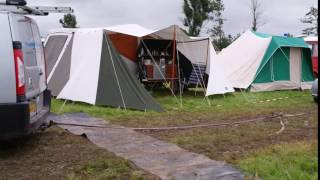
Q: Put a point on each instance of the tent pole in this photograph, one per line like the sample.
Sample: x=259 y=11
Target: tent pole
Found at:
x=208 y=48
x=158 y=68
x=200 y=80
x=285 y=55
x=244 y=95
x=64 y=103
x=179 y=76
x=115 y=72
x=173 y=58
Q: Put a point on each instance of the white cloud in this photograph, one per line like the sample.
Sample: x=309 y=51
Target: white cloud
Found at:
x=281 y=16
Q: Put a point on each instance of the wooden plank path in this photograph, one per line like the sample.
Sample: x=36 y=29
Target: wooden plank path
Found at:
x=165 y=160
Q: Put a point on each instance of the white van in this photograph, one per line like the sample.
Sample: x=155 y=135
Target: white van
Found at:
x=24 y=97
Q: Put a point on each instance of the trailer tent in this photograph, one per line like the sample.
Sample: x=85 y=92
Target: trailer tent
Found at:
x=195 y=53
x=84 y=66
x=262 y=62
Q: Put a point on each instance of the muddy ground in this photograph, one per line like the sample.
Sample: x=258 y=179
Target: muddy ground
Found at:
x=54 y=154
x=57 y=154
x=232 y=143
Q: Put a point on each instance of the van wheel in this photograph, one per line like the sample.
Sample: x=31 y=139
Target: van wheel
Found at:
x=315 y=99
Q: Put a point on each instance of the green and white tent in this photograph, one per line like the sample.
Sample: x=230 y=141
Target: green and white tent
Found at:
x=262 y=62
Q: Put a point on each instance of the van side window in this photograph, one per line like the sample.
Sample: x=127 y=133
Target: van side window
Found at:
x=28 y=44
x=38 y=45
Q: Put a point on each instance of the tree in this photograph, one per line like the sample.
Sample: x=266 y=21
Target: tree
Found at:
x=256 y=12
x=69 y=21
x=198 y=11
x=311 y=18
x=220 y=40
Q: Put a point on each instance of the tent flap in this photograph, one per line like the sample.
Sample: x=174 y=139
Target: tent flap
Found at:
x=117 y=86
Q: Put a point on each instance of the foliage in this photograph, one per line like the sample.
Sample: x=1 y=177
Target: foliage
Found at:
x=285 y=161
x=256 y=13
x=69 y=21
x=222 y=42
x=311 y=18
x=199 y=11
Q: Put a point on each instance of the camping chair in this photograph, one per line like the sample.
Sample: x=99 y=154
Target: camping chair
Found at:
x=196 y=78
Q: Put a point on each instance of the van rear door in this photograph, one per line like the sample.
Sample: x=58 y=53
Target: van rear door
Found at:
x=41 y=66
x=39 y=56
x=22 y=31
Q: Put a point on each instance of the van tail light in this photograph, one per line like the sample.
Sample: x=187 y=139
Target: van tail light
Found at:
x=19 y=70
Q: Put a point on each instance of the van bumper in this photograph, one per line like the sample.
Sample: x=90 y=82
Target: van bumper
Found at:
x=15 y=120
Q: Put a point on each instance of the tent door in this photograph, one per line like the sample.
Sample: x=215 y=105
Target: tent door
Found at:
x=295 y=65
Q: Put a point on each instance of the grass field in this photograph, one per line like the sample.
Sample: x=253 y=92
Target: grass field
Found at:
x=285 y=161
x=233 y=144
x=195 y=109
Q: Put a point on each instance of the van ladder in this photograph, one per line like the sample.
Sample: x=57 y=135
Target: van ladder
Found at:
x=33 y=10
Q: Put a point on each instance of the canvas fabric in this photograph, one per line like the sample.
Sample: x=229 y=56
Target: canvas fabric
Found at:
x=52 y=50
x=276 y=85
x=85 y=65
x=117 y=86
x=286 y=59
x=236 y=65
x=58 y=80
x=218 y=82
x=198 y=50
x=92 y=71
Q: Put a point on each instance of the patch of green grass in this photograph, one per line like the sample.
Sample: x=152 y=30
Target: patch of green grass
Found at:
x=108 y=169
x=286 y=161
x=195 y=108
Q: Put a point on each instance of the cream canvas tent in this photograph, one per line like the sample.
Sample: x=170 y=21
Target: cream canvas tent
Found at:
x=263 y=62
x=97 y=66
x=84 y=66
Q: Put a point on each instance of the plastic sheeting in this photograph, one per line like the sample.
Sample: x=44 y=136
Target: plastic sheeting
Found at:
x=165 y=160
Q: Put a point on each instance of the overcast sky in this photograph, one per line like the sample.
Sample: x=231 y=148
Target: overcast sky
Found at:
x=281 y=16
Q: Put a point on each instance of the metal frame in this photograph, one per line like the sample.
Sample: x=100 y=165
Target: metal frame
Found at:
x=34 y=10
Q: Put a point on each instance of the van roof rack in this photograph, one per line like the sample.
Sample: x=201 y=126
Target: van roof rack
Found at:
x=20 y=7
